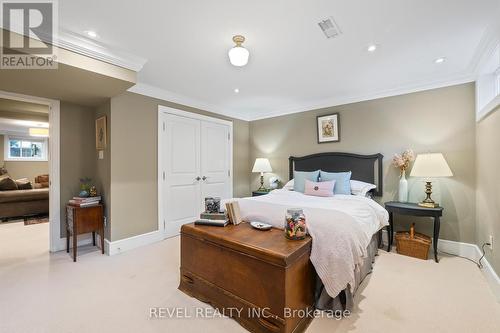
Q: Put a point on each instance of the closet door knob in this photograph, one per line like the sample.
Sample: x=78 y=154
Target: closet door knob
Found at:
x=198 y=178
x=204 y=178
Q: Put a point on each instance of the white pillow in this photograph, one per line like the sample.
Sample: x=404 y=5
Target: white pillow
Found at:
x=361 y=188
x=289 y=186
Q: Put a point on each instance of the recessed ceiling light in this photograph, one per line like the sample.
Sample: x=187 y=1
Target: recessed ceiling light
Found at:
x=439 y=60
x=236 y=90
x=91 y=33
x=372 y=48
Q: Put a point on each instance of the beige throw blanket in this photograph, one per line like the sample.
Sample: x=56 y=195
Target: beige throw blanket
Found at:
x=341 y=228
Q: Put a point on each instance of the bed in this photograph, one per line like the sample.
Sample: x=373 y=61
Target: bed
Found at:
x=345 y=228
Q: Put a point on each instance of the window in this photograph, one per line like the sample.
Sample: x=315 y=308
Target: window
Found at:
x=25 y=149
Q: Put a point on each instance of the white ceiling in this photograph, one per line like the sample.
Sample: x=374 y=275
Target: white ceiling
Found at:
x=292 y=66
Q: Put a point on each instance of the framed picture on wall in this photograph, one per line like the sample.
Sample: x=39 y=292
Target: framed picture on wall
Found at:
x=100 y=133
x=328 y=128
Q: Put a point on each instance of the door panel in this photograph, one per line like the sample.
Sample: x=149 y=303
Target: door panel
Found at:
x=215 y=160
x=182 y=164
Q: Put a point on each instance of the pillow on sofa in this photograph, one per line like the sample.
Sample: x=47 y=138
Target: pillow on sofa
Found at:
x=3 y=171
x=43 y=180
x=7 y=183
x=24 y=184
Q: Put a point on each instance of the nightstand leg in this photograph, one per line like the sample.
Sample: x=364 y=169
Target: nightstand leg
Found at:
x=93 y=238
x=390 y=231
x=75 y=239
x=67 y=240
x=437 y=225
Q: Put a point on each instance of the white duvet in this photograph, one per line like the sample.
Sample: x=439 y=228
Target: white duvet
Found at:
x=341 y=228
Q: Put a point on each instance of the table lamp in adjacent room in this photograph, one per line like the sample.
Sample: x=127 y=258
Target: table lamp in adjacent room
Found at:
x=430 y=166
x=262 y=165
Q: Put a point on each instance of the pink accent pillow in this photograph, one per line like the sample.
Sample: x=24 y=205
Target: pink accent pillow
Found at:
x=319 y=189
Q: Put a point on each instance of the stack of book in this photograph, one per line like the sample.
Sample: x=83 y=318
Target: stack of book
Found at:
x=233 y=212
x=216 y=219
x=85 y=202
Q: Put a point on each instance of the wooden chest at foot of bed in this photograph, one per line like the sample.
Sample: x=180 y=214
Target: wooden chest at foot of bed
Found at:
x=260 y=278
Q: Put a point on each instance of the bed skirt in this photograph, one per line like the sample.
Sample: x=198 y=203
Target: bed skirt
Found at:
x=345 y=300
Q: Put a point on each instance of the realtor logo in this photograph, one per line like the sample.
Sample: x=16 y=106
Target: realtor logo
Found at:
x=28 y=32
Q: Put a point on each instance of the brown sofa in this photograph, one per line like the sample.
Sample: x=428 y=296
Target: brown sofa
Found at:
x=24 y=202
x=28 y=202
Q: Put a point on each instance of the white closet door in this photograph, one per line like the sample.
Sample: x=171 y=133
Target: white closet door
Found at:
x=215 y=160
x=182 y=188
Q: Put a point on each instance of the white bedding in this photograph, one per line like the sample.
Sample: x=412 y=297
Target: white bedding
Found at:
x=341 y=228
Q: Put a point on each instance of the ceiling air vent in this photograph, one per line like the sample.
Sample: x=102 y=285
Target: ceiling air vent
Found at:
x=330 y=27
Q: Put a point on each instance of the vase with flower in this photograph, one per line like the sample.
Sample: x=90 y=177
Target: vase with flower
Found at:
x=402 y=162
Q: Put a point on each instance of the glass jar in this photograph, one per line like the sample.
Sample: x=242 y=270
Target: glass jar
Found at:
x=295 y=224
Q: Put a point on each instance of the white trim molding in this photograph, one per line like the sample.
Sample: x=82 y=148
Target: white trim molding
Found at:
x=122 y=245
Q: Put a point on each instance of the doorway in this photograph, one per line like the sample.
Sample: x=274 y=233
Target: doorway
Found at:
x=49 y=152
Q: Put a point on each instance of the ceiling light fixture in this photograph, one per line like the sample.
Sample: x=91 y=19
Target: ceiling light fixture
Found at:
x=39 y=132
x=439 y=60
x=236 y=90
x=91 y=33
x=238 y=55
x=372 y=48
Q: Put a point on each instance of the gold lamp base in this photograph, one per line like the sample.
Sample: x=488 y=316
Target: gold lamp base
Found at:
x=428 y=202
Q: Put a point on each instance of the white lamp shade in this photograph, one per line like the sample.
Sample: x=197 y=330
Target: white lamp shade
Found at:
x=238 y=56
x=262 y=165
x=430 y=166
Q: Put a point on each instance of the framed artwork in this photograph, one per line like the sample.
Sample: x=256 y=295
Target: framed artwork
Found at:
x=328 y=128
x=100 y=133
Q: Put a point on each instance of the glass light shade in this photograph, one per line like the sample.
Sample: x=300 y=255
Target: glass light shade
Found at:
x=262 y=165
x=41 y=132
x=238 y=56
x=430 y=166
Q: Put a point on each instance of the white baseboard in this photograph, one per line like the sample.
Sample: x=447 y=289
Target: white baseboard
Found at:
x=122 y=245
x=470 y=251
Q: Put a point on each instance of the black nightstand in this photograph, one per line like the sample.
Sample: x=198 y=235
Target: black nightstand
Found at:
x=414 y=209
x=257 y=193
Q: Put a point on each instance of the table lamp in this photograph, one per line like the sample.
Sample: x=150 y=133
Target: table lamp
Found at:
x=262 y=165
x=430 y=166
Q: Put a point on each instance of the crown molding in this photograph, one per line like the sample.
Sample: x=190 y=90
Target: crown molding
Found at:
x=80 y=44
x=159 y=93
x=342 y=100
x=489 y=41
x=93 y=49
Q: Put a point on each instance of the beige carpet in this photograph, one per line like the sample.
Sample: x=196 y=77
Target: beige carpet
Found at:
x=49 y=293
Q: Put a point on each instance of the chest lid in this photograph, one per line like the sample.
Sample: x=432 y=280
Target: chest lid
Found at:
x=270 y=246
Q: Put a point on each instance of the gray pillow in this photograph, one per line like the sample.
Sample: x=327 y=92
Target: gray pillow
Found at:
x=7 y=183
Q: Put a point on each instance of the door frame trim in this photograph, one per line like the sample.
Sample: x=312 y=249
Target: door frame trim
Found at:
x=56 y=243
x=164 y=110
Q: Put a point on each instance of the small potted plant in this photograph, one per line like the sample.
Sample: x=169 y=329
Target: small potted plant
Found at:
x=85 y=186
x=402 y=162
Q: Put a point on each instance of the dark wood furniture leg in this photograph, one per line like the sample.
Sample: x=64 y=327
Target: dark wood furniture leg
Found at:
x=67 y=240
x=75 y=233
x=437 y=226
x=390 y=232
x=93 y=238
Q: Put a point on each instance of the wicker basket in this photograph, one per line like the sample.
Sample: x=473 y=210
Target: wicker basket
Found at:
x=413 y=244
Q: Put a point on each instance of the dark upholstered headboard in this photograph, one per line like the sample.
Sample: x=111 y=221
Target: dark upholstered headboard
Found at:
x=367 y=168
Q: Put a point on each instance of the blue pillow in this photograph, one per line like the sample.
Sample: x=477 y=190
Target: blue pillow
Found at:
x=299 y=179
x=342 y=181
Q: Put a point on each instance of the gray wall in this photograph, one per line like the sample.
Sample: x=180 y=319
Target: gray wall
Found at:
x=488 y=185
x=440 y=120
x=103 y=166
x=134 y=200
x=77 y=150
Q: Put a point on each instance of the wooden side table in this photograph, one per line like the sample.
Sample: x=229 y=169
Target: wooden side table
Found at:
x=413 y=209
x=83 y=220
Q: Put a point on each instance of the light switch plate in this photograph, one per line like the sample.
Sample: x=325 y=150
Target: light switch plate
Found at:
x=101 y=154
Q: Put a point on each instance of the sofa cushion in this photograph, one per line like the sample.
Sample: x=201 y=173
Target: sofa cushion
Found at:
x=7 y=183
x=23 y=184
x=43 y=180
x=24 y=195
